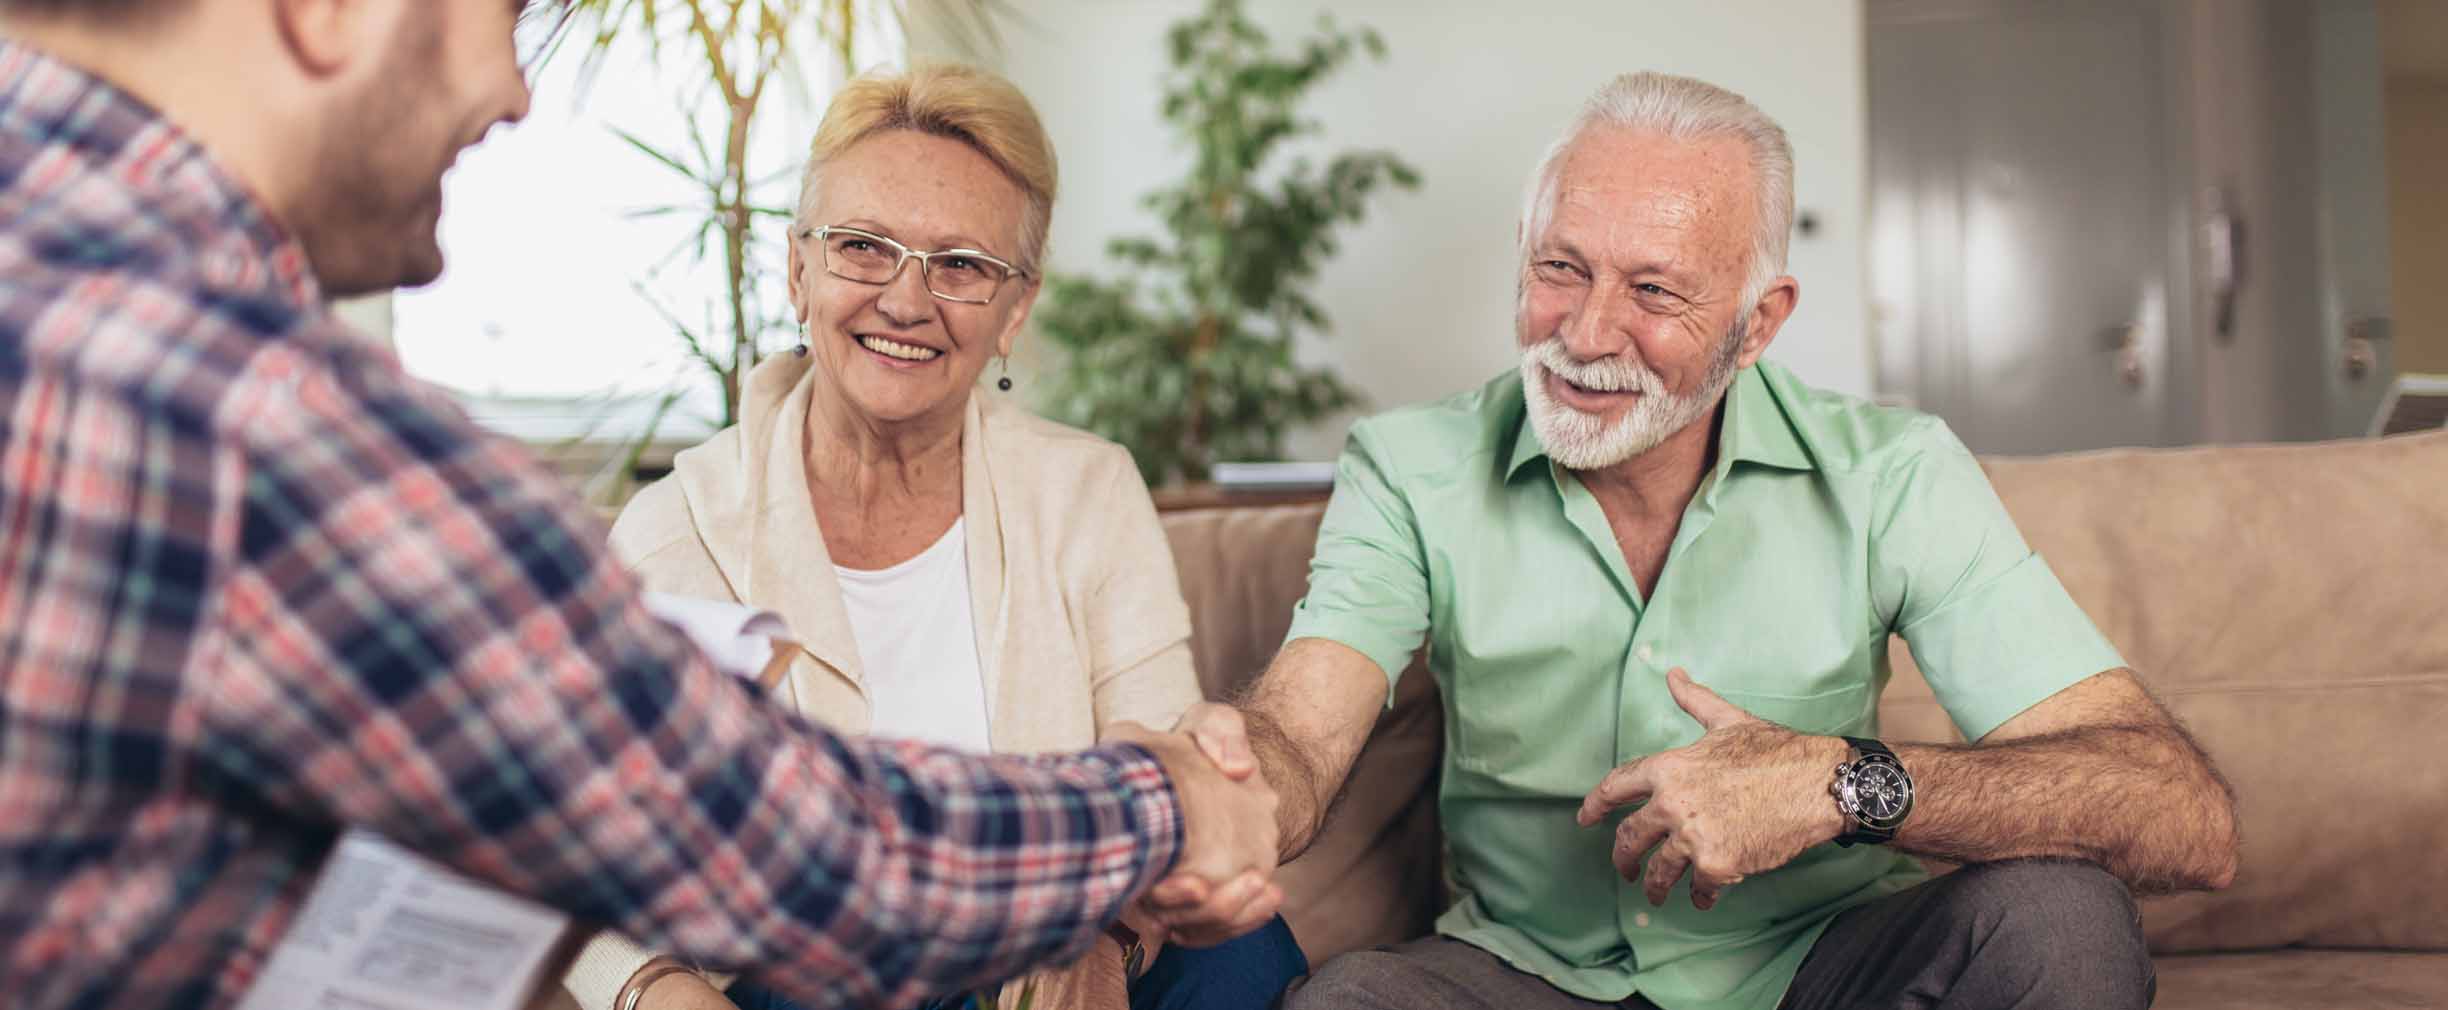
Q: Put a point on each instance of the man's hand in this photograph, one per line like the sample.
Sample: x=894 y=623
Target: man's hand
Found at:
x=1746 y=798
x=1222 y=735
x=1223 y=884
x=1300 y=727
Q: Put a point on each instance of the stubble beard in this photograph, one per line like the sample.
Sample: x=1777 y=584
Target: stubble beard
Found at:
x=370 y=211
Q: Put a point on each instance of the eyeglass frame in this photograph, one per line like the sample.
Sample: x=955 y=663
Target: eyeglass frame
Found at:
x=825 y=256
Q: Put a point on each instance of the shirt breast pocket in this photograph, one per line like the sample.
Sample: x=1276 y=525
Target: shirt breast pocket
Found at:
x=1844 y=710
x=1536 y=725
x=1814 y=673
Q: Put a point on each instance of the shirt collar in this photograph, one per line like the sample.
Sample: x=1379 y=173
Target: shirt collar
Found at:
x=1756 y=430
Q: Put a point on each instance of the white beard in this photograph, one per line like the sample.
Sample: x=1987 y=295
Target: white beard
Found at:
x=1582 y=441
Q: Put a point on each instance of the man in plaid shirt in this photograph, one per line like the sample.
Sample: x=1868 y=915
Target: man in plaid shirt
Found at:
x=256 y=585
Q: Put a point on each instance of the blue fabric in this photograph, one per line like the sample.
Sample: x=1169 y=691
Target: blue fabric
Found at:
x=751 y=996
x=1245 y=974
x=748 y=995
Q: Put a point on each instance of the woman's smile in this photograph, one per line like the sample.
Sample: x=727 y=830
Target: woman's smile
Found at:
x=893 y=353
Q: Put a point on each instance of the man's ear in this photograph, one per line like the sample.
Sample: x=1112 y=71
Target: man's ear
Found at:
x=326 y=36
x=1767 y=317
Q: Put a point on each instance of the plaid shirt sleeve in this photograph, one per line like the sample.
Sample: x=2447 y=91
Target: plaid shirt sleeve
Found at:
x=421 y=635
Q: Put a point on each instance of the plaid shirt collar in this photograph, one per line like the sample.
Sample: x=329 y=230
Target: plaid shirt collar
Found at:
x=59 y=126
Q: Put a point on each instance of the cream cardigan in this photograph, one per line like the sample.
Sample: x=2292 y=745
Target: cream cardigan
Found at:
x=1080 y=620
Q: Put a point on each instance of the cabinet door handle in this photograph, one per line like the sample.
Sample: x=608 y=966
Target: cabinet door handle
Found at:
x=2223 y=260
x=2359 y=351
x=2126 y=340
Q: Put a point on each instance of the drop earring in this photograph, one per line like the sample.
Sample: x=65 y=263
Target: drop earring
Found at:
x=801 y=350
x=1005 y=383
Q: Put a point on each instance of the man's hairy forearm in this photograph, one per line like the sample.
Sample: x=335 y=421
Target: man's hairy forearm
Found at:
x=1308 y=716
x=2140 y=800
x=1303 y=793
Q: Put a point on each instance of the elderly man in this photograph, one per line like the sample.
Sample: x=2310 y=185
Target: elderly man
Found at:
x=256 y=585
x=1656 y=578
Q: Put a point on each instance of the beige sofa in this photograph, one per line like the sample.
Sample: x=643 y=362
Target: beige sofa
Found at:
x=2290 y=603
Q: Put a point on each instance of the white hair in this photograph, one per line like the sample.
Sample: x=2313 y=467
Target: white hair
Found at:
x=1682 y=108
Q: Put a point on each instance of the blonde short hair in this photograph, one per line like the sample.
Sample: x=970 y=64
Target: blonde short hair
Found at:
x=947 y=100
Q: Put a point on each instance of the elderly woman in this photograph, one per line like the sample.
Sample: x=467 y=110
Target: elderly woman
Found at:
x=955 y=569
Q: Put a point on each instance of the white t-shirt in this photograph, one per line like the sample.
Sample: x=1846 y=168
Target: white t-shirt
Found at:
x=917 y=640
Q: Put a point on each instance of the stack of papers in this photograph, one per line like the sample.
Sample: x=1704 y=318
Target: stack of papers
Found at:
x=2415 y=402
x=1273 y=476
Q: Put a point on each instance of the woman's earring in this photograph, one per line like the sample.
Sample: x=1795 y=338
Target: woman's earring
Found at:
x=1004 y=383
x=801 y=350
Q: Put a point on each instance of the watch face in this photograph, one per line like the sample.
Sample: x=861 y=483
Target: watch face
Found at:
x=1882 y=791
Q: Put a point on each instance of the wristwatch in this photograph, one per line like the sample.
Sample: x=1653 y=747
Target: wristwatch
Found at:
x=1873 y=792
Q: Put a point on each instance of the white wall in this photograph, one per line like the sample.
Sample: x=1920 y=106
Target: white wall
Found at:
x=1470 y=93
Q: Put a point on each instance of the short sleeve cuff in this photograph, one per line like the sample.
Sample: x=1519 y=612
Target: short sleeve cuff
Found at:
x=2007 y=646
x=1390 y=650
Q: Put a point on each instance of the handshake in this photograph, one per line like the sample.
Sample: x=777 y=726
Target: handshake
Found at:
x=1222 y=884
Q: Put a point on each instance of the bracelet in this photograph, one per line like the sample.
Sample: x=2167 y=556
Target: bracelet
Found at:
x=1134 y=952
x=653 y=972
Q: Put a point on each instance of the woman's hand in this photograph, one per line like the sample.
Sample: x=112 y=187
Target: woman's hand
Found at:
x=683 y=990
x=1151 y=934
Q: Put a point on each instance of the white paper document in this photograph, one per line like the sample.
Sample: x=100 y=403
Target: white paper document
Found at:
x=386 y=929
x=740 y=640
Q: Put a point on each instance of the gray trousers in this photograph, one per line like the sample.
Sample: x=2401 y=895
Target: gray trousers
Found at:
x=2021 y=935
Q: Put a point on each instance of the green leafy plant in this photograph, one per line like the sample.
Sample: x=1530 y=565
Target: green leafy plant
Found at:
x=1187 y=357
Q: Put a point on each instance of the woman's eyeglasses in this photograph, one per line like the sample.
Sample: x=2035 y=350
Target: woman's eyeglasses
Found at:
x=968 y=276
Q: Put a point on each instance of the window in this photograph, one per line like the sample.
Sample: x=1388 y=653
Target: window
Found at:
x=547 y=306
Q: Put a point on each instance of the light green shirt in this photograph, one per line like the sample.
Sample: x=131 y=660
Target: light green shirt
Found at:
x=1826 y=524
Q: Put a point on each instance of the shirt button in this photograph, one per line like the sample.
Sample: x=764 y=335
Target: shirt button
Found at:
x=1643 y=653
x=1641 y=920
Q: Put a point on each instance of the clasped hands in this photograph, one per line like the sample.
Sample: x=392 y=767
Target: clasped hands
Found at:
x=1745 y=798
x=1222 y=884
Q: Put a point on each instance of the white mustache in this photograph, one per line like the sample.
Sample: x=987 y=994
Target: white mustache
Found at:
x=1606 y=375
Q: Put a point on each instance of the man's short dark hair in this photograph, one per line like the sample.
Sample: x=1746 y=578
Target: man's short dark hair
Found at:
x=121 y=9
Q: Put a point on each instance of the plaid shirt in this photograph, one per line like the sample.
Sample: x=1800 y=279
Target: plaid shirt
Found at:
x=256 y=584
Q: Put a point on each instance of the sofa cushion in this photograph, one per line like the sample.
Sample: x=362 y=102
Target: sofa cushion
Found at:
x=2302 y=979
x=2290 y=604
x=1242 y=569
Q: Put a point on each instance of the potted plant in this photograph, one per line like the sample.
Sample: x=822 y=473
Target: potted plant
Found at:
x=1186 y=358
